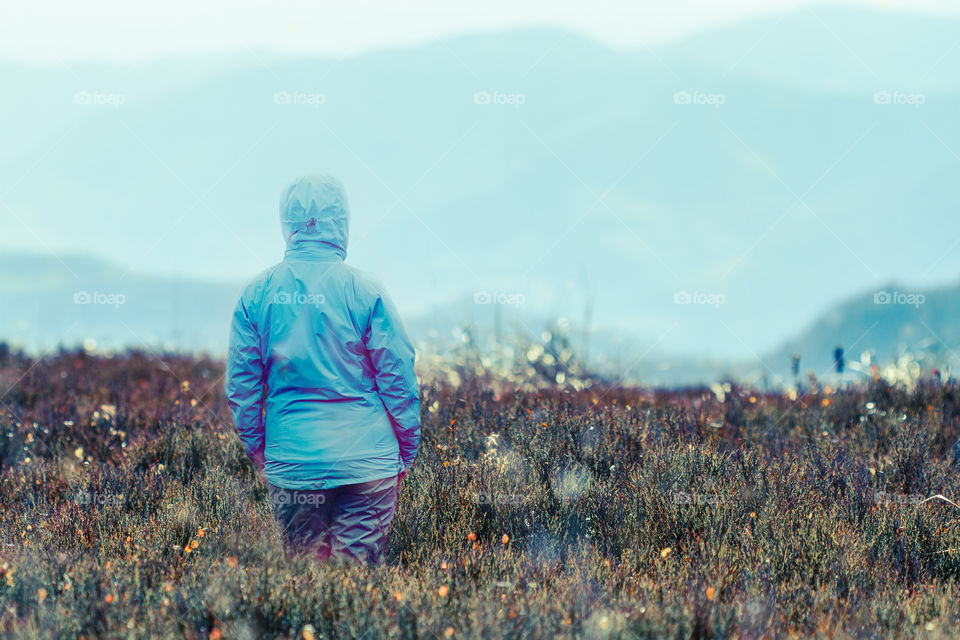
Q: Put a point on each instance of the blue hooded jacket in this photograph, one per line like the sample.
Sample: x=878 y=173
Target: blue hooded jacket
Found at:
x=320 y=369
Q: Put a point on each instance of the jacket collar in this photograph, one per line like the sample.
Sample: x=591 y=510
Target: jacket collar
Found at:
x=313 y=250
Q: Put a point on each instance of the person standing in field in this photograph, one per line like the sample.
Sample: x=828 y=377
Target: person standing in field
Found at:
x=321 y=385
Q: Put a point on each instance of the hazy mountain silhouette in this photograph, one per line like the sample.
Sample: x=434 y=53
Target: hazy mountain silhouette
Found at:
x=49 y=302
x=879 y=326
x=476 y=164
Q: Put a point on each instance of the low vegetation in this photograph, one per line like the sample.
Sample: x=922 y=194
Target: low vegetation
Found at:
x=130 y=511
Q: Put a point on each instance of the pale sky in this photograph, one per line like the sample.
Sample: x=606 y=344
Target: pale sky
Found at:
x=61 y=31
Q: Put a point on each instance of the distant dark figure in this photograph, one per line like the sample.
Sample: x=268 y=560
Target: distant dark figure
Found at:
x=321 y=384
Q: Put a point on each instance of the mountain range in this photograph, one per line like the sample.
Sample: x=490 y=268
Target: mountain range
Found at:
x=762 y=172
x=76 y=301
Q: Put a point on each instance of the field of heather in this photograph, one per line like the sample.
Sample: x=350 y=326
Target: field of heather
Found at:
x=130 y=511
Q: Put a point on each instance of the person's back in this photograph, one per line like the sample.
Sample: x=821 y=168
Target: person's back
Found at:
x=341 y=409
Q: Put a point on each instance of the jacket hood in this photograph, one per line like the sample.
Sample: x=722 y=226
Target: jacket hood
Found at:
x=314 y=210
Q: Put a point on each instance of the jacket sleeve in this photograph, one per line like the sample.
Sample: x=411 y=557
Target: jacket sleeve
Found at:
x=244 y=383
x=392 y=355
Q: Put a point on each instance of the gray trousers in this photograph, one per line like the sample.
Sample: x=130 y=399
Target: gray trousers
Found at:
x=351 y=521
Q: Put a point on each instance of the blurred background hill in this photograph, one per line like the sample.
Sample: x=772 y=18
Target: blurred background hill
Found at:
x=697 y=208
